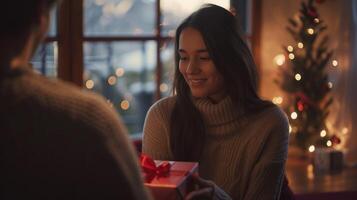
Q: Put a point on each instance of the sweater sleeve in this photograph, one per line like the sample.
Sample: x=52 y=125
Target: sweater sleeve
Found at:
x=266 y=178
x=156 y=132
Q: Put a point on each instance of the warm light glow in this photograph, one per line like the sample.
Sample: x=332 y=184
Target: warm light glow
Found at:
x=310 y=171
x=119 y=72
x=323 y=133
x=279 y=59
x=293 y=115
x=300 y=45
x=310 y=31
x=298 y=77
x=311 y=148
x=316 y=20
x=112 y=80
x=290 y=129
x=125 y=105
x=330 y=85
x=291 y=56
x=290 y=48
x=334 y=63
x=164 y=87
x=89 y=84
x=277 y=100
x=345 y=130
x=329 y=143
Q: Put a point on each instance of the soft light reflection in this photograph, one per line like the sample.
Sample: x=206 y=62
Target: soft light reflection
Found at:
x=290 y=48
x=328 y=143
x=330 y=85
x=323 y=133
x=311 y=148
x=310 y=172
x=119 y=72
x=293 y=115
x=310 y=31
x=89 y=84
x=279 y=59
x=125 y=105
x=334 y=63
x=300 y=45
x=345 y=130
x=277 y=100
x=298 y=77
x=291 y=56
x=164 y=87
x=316 y=20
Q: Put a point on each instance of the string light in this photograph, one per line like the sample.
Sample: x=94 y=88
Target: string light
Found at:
x=316 y=20
x=290 y=48
x=89 y=84
x=279 y=59
x=300 y=45
x=298 y=77
x=119 y=72
x=294 y=115
x=311 y=148
x=323 y=133
x=164 y=87
x=125 y=105
x=334 y=63
x=330 y=85
x=277 y=100
x=328 y=143
x=290 y=129
x=291 y=56
x=112 y=80
x=310 y=31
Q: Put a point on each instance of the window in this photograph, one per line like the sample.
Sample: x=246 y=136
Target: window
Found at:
x=124 y=50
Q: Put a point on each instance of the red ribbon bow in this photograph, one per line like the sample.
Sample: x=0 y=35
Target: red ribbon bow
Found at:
x=151 y=170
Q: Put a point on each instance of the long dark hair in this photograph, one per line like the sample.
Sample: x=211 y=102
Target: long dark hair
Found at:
x=17 y=18
x=233 y=60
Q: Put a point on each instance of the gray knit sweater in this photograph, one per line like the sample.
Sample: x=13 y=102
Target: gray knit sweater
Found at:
x=245 y=158
x=58 y=142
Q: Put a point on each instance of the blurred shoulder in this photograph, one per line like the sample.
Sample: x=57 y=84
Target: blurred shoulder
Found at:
x=164 y=105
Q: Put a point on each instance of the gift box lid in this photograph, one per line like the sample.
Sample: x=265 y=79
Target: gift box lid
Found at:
x=177 y=176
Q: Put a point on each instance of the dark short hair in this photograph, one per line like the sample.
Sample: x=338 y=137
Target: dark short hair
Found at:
x=17 y=18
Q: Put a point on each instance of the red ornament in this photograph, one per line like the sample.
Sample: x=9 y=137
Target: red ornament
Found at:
x=300 y=106
x=335 y=140
x=312 y=12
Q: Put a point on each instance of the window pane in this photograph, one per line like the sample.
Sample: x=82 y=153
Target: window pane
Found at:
x=45 y=59
x=119 y=17
x=124 y=73
x=168 y=63
x=52 y=32
x=174 y=11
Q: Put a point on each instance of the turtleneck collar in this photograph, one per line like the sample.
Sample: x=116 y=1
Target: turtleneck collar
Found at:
x=216 y=114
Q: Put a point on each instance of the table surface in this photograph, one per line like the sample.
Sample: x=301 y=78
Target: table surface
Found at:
x=303 y=179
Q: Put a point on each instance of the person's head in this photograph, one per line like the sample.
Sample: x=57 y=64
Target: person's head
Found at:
x=20 y=20
x=212 y=61
x=211 y=56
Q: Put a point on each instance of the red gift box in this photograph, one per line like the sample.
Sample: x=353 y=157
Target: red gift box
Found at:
x=175 y=184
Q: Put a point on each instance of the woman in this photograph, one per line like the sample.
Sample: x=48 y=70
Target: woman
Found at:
x=215 y=116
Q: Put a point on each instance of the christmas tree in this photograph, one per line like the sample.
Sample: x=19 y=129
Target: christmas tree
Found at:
x=305 y=79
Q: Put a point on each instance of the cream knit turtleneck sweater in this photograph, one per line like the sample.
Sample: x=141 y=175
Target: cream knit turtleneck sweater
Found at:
x=244 y=157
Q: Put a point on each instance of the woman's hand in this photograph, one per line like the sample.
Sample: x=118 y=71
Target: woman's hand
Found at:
x=207 y=190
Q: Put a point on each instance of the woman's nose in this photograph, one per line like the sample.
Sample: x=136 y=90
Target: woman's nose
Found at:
x=192 y=67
